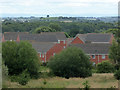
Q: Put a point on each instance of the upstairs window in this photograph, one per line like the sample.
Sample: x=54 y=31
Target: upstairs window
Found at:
x=40 y=54
x=103 y=56
x=58 y=41
x=64 y=41
x=93 y=56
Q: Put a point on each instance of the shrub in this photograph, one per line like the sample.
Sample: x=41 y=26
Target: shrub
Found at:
x=117 y=66
x=86 y=85
x=24 y=78
x=105 y=67
x=71 y=62
x=20 y=56
x=117 y=74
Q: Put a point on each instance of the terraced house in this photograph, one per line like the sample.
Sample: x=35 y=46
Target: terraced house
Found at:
x=47 y=44
x=96 y=45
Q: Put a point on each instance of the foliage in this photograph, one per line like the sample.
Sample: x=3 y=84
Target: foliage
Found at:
x=24 y=78
x=21 y=56
x=113 y=31
x=71 y=28
x=67 y=64
x=117 y=74
x=4 y=70
x=114 y=53
x=117 y=66
x=66 y=34
x=86 y=85
x=55 y=27
x=105 y=67
x=44 y=29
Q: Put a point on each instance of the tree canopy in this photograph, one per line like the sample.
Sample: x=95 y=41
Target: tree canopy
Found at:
x=19 y=57
x=71 y=62
x=72 y=28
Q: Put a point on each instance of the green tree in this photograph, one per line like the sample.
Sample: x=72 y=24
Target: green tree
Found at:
x=105 y=67
x=55 y=26
x=21 y=56
x=71 y=62
x=44 y=29
x=66 y=34
x=114 y=53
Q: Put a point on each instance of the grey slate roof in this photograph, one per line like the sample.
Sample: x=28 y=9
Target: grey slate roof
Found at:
x=95 y=37
x=93 y=48
x=43 y=37
x=13 y=35
x=39 y=38
x=59 y=35
x=42 y=46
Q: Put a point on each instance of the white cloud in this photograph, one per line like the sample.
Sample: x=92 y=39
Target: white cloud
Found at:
x=77 y=7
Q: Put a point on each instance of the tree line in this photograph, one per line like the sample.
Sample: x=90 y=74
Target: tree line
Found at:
x=72 y=28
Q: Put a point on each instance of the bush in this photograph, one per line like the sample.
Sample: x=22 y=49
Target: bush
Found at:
x=105 y=67
x=20 y=56
x=71 y=62
x=117 y=66
x=117 y=74
x=24 y=78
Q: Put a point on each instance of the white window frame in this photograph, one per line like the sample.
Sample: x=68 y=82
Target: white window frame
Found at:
x=40 y=54
x=54 y=54
x=64 y=41
x=58 y=41
x=103 y=56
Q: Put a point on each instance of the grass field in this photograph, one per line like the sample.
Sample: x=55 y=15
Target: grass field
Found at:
x=96 y=81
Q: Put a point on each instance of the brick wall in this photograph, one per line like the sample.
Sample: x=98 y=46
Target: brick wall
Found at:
x=98 y=58
x=76 y=41
x=57 y=48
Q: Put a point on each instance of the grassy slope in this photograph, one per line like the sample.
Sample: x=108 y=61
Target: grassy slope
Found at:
x=96 y=81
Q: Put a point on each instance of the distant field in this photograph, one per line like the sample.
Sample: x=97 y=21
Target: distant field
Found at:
x=96 y=81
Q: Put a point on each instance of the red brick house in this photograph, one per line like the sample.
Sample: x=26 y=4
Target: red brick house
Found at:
x=93 y=38
x=96 y=45
x=46 y=44
x=97 y=52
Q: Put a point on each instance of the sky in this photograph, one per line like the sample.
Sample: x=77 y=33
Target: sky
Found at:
x=74 y=8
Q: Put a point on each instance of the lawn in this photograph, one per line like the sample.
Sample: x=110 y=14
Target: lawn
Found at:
x=96 y=81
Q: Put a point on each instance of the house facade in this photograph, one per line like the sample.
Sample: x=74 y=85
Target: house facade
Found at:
x=93 y=38
x=46 y=44
x=96 y=52
x=96 y=45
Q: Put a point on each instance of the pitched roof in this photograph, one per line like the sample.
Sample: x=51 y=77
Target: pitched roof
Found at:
x=93 y=48
x=43 y=37
x=42 y=46
x=69 y=40
x=13 y=35
x=95 y=37
x=39 y=38
x=59 y=35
